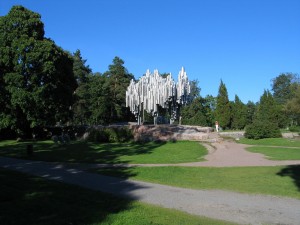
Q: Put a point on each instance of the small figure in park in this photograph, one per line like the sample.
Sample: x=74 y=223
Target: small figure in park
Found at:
x=217 y=126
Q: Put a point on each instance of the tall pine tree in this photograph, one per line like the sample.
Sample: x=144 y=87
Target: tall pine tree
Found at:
x=223 y=111
x=239 y=114
x=119 y=79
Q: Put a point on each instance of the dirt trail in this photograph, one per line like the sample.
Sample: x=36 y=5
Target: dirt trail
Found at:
x=229 y=154
x=221 y=154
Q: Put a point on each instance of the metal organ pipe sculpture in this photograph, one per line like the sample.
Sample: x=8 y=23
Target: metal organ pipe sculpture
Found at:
x=152 y=90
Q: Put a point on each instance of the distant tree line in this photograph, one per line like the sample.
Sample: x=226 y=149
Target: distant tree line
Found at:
x=42 y=85
x=277 y=109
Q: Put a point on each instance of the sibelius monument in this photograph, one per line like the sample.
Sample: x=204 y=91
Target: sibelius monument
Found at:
x=152 y=90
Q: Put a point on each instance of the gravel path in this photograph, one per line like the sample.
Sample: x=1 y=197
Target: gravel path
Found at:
x=221 y=154
x=224 y=205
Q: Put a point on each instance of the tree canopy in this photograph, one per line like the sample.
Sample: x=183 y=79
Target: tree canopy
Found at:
x=36 y=76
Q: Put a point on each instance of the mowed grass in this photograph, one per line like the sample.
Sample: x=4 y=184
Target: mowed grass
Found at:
x=271 y=142
x=275 y=148
x=277 y=153
x=31 y=200
x=278 y=180
x=85 y=152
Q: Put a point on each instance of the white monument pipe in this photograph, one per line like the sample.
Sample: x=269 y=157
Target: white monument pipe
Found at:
x=152 y=90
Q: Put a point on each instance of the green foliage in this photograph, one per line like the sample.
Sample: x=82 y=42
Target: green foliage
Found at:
x=81 y=71
x=294 y=129
x=262 y=129
x=283 y=87
x=196 y=113
x=251 y=108
x=195 y=89
x=269 y=111
x=118 y=80
x=110 y=134
x=223 y=111
x=239 y=114
x=37 y=81
x=292 y=107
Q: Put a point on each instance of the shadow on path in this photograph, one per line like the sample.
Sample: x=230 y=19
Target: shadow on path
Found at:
x=32 y=200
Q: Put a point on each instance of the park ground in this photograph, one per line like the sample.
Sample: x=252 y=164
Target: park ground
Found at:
x=249 y=174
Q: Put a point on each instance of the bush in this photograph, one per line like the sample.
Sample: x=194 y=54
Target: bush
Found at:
x=260 y=129
x=294 y=129
x=109 y=134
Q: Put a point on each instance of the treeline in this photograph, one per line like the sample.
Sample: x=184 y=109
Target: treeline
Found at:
x=42 y=85
x=277 y=109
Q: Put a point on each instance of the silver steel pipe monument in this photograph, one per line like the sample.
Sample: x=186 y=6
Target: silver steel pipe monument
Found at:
x=152 y=90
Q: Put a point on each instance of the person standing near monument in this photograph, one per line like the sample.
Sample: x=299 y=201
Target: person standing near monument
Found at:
x=217 y=126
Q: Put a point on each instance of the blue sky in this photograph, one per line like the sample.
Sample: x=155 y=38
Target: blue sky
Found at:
x=246 y=43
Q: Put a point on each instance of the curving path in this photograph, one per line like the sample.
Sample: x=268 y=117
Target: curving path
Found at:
x=224 y=205
x=221 y=154
x=229 y=154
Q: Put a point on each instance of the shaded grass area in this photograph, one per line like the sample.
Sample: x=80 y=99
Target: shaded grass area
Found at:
x=86 y=152
x=31 y=200
x=274 y=153
x=271 y=142
x=279 y=180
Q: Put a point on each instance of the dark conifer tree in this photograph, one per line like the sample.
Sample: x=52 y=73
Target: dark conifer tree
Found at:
x=223 y=112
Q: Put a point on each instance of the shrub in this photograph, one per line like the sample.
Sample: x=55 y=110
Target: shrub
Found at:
x=260 y=129
x=110 y=134
x=97 y=134
x=294 y=129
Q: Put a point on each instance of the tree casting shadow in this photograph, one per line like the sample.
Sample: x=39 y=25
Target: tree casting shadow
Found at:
x=26 y=199
x=292 y=171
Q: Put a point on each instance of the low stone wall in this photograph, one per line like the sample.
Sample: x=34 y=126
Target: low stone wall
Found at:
x=240 y=134
x=170 y=132
x=290 y=135
x=233 y=134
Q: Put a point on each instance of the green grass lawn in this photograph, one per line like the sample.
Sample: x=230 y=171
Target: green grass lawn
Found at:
x=84 y=152
x=275 y=148
x=31 y=200
x=279 y=180
x=271 y=142
x=282 y=181
x=279 y=153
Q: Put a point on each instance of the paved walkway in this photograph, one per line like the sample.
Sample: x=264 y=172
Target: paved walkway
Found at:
x=224 y=205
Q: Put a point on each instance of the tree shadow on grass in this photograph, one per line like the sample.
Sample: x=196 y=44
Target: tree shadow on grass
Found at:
x=79 y=151
x=292 y=171
x=32 y=200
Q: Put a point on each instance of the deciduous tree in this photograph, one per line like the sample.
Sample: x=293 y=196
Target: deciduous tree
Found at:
x=36 y=76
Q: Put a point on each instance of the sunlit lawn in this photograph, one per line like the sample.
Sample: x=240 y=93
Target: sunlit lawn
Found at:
x=272 y=142
x=85 y=152
x=277 y=180
x=274 y=153
x=281 y=181
x=275 y=148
